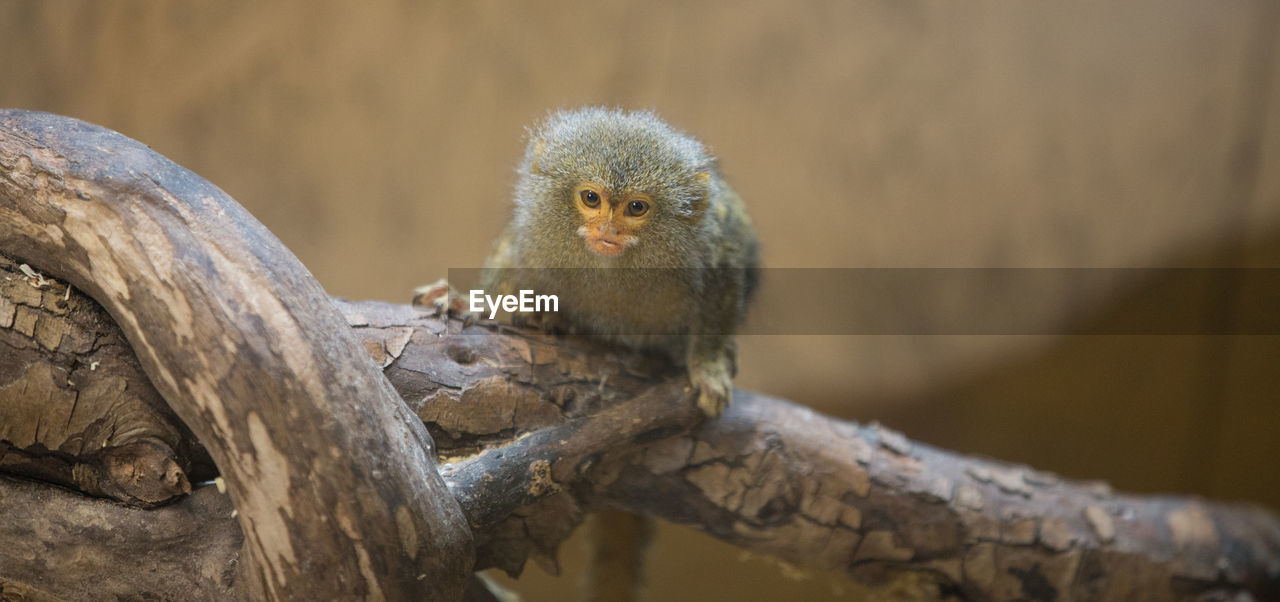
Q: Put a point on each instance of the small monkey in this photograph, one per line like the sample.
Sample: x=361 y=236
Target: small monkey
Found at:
x=629 y=223
x=647 y=245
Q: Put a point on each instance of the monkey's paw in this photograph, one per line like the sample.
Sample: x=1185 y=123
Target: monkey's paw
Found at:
x=715 y=386
x=445 y=302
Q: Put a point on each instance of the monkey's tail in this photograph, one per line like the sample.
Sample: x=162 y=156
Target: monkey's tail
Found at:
x=618 y=541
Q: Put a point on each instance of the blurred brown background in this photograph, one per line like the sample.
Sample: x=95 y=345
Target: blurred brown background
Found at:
x=377 y=139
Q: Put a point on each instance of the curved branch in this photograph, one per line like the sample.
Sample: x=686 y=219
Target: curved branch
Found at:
x=535 y=432
x=783 y=480
x=322 y=463
x=90 y=549
x=863 y=500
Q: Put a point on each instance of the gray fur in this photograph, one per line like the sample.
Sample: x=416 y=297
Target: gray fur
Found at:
x=682 y=289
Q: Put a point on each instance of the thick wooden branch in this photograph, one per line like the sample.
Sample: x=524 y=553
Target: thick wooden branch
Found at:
x=863 y=500
x=777 y=478
x=60 y=545
x=336 y=486
x=218 y=340
x=535 y=432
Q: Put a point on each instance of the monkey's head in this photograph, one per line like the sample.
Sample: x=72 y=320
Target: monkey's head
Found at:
x=603 y=186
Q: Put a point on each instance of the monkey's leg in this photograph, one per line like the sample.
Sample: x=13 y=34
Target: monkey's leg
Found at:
x=618 y=541
x=712 y=354
x=712 y=363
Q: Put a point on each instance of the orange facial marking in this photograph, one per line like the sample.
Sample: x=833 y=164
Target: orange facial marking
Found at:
x=607 y=225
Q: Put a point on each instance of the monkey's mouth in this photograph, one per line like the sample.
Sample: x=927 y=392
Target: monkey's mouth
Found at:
x=604 y=246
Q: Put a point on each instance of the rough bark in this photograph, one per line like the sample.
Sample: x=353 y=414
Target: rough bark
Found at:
x=777 y=478
x=323 y=465
x=105 y=436
x=535 y=432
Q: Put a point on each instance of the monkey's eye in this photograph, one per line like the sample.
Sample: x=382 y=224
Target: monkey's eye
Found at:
x=590 y=198
x=637 y=208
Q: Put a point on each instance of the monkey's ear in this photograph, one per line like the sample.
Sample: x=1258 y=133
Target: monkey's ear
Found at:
x=536 y=157
x=702 y=184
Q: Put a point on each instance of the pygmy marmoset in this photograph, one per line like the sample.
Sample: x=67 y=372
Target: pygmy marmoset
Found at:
x=631 y=225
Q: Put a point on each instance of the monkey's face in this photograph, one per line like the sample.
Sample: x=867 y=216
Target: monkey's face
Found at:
x=611 y=222
x=625 y=186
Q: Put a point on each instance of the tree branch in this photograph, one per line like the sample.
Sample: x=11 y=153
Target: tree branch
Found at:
x=536 y=431
x=532 y=433
x=323 y=464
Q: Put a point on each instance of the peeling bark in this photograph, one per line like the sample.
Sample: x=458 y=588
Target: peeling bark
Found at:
x=780 y=479
x=863 y=500
x=322 y=462
x=102 y=436
x=535 y=432
x=327 y=467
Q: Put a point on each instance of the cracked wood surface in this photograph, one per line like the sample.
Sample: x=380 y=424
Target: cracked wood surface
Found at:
x=104 y=436
x=324 y=466
x=534 y=432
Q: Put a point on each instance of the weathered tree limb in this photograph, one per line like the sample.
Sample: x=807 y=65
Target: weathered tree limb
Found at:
x=786 y=481
x=779 y=479
x=336 y=485
x=532 y=440
x=60 y=545
x=533 y=432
